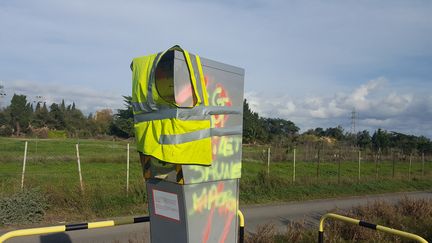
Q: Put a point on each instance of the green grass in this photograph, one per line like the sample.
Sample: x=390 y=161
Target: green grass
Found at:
x=52 y=167
x=258 y=187
x=57 y=150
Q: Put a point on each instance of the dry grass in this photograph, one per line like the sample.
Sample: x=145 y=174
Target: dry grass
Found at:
x=414 y=216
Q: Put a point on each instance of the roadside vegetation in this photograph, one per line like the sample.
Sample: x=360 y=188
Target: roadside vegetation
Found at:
x=51 y=170
x=414 y=216
x=326 y=160
x=33 y=117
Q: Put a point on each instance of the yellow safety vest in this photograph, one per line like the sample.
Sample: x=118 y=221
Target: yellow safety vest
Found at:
x=162 y=129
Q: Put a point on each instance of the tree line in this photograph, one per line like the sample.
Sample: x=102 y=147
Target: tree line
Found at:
x=284 y=133
x=22 y=117
x=38 y=119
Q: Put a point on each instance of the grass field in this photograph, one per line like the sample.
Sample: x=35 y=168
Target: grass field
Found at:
x=52 y=167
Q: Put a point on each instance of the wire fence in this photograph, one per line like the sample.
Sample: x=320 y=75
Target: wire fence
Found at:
x=103 y=164
x=87 y=164
x=340 y=163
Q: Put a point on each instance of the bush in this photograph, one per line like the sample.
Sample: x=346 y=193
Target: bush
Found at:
x=40 y=132
x=5 y=130
x=24 y=207
x=57 y=134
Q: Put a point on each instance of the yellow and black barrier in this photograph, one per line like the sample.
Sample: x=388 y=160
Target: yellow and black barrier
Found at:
x=71 y=227
x=94 y=225
x=367 y=225
x=241 y=226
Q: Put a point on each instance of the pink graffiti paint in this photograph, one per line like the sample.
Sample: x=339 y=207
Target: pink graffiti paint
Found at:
x=226 y=229
x=187 y=92
x=221 y=99
x=207 y=228
x=222 y=211
x=184 y=94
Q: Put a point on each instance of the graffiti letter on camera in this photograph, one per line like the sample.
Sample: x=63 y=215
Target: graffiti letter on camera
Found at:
x=220 y=98
x=214 y=196
x=216 y=201
x=218 y=171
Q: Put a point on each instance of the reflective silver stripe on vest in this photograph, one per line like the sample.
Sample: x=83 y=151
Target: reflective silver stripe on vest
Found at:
x=140 y=106
x=200 y=134
x=195 y=113
x=151 y=81
x=161 y=114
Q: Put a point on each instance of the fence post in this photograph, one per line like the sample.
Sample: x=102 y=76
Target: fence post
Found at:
x=376 y=163
x=294 y=165
x=268 y=161
x=24 y=165
x=339 y=167
x=127 y=171
x=409 y=170
x=423 y=163
x=393 y=158
x=318 y=163
x=359 y=166
x=79 y=167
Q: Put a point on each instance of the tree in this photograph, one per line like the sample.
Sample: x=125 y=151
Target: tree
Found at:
x=74 y=120
x=20 y=113
x=57 y=118
x=38 y=106
x=380 y=140
x=335 y=132
x=122 y=122
x=364 y=139
x=5 y=128
x=280 y=130
x=4 y=117
x=41 y=116
x=424 y=145
x=253 y=127
x=406 y=143
x=63 y=106
x=103 y=118
x=319 y=132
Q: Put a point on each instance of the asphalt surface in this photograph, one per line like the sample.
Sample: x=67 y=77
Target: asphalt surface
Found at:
x=311 y=211
x=280 y=215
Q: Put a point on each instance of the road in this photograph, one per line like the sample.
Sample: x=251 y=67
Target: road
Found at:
x=311 y=211
x=280 y=215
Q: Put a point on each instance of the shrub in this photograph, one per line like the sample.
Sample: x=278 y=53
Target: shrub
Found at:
x=28 y=206
x=5 y=130
x=414 y=216
x=57 y=134
x=40 y=132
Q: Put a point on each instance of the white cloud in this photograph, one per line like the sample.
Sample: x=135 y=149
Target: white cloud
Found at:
x=372 y=122
x=254 y=100
x=377 y=104
x=287 y=109
x=358 y=99
x=395 y=104
x=304 y=60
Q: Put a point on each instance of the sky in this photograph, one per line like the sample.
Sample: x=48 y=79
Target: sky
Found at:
x=311 y=62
